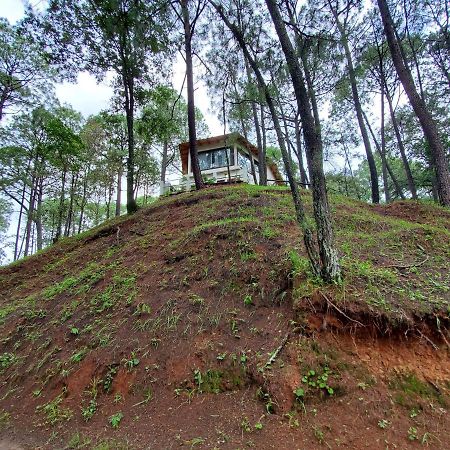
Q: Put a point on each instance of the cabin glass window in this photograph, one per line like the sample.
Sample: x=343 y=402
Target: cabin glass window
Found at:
x=245 y=163
x=213 y=159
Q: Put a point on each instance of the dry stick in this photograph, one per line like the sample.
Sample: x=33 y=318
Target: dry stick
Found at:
x=339 y=310
x=277 y=351
x=428 y=340
x=407 y=266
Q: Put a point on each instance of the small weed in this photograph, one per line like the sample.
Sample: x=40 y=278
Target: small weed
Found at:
x=383 y=423
x=109 y=378
x=78 y=355
x=319 y=435
x=412 y=434
x=89 y=410
x=5 y=417
x=245 y=425
x=53 y=411
x=248 y=301
x=132 y=362
x=7 y=360
x=115 y=419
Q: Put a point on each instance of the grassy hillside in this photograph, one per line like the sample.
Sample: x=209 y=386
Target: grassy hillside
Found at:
x=196 y=324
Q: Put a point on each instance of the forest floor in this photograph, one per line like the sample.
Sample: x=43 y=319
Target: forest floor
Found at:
x=195 y=323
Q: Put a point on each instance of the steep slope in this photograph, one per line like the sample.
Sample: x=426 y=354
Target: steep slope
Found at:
x=195 y=323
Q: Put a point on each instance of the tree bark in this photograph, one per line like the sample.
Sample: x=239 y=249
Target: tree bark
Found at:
x=190 y=96
x=387 y=194
x=429 y=126
x=330 y=268
x=299 y=152
x=119 y=191
x=259 y=143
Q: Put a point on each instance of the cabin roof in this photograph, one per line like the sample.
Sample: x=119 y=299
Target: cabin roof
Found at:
x=226 y=139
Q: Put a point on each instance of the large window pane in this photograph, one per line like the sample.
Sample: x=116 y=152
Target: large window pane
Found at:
x=213 y=159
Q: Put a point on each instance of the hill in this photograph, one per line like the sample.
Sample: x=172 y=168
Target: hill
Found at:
x=195 y=323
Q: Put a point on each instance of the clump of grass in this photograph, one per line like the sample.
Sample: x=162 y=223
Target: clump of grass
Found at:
x=54 y=412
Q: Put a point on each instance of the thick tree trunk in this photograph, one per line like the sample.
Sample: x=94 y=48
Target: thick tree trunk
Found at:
x=330 y=269
x=429 y=126
x=38 y=216
x=132 y=206
x=190 y=96
x=298 y=203
x=358 y=109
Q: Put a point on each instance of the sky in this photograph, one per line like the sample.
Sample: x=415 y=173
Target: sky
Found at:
x=89 y=97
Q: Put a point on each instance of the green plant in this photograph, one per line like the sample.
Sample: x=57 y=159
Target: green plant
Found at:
x=319 y=435
x=318 y=381
x=74 y=331
x=258 y=426
x=89 y=410
x=383 y=423
x=245 y=425
x=412 y=434
x=53 y=411
x=248 y=300
x=132 y=362
x=6 y=360
x=109 y=378
x=78 y=355
x=115 y=419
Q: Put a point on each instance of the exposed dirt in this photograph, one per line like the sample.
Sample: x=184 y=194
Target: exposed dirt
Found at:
x=188 y=320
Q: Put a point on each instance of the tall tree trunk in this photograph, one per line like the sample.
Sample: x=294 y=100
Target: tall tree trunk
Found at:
x=387 y=194
x=330 y=268
x=298 y=202
x=358 y=108
x=38 y=215
x=398 y=189
x=401 y=147
x=259 y=142
x=71 y=203
x=429 y=126
x=164 y=162
x=61 y=205
x=31 y=207
x=19 y=222
x=128 y=80
x=299 y=153
x=119 y=191
x=190 y=95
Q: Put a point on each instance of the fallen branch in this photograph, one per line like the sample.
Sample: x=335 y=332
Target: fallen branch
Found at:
x=274 y=355
x=428 y=340
x=406 y=266
x=340 y=310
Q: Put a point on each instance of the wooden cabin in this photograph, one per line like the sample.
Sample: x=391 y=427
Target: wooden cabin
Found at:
x=226 y=158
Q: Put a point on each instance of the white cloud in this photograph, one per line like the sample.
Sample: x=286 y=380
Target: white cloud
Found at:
x=12 y=10
x=86 y=96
